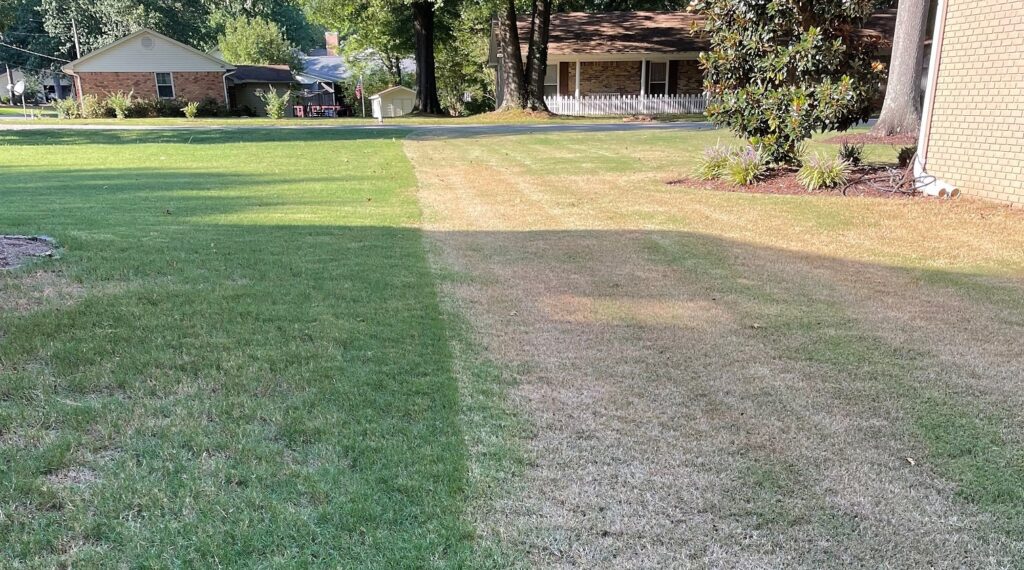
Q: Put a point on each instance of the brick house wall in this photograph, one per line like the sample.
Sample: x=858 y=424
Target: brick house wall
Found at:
x=190 y=85
x=690 y=78
x=623 y=77
x=976 y=137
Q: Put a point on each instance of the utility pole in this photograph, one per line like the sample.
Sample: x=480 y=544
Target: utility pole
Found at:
x=74 y=32
x=362 y=96
x=10 y=84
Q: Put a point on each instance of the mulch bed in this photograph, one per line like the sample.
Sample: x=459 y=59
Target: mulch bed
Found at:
x=868 y=138
x=15 y=250
x=784 y=182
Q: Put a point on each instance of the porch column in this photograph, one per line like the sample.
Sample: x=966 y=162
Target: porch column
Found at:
x=577 y=79
x=643 y=77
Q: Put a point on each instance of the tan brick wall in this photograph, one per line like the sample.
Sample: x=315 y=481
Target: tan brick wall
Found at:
x=977 y=129
x=623 y=77
x=194 y=86
x=690 y=80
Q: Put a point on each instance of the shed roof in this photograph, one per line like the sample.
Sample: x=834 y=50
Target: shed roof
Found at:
x=392 y=90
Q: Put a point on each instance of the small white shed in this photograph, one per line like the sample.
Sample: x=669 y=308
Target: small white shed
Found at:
x=393 y=102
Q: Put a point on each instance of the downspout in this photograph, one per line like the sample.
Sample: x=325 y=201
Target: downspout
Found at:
x=224 y=80
x=927 y=183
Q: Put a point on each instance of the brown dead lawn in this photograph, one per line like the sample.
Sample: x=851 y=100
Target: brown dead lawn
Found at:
x=727 y=380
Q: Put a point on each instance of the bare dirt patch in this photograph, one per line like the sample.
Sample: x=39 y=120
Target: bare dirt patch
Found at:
x=784 y=182
x=72 y=477
x=868 y=138
x=15 y=250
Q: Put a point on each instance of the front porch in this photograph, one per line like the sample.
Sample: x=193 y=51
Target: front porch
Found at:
x=619 y=85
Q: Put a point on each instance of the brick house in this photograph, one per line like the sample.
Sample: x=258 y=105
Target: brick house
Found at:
x=972 y=132
x=631 y=55
x=152 y=65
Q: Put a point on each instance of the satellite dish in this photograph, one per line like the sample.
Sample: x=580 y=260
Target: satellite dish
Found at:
x=19 y=87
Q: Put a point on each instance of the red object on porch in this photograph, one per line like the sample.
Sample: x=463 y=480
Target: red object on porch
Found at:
x=299 y=111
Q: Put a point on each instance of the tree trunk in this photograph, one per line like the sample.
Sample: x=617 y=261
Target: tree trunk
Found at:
x=901 y=111
x=426 y=82
x=511 y=71
x=537 y=56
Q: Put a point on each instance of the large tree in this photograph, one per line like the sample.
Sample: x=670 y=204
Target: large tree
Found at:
x=513 y=77
x=369 y=20
x=780 y=70
x=256 y=41
x=194 y=22
x=537 y=55
x=901 y=111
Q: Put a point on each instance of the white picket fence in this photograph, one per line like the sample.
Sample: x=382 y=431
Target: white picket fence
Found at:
x=597 y=105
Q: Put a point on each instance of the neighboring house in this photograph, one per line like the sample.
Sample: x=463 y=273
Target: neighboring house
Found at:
x=616 y=58
x=972 y=135
x=317 y=84
x=153 y=66
x=393 y=102
x=54 y=85
x=247 y=82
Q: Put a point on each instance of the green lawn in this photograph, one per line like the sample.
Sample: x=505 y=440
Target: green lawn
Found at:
x=482 y=119
x=239 y=359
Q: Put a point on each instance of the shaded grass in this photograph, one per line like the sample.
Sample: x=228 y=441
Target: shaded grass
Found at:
x=256 y=369
x=788 y=269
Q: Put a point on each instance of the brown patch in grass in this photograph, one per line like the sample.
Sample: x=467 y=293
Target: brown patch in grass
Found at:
x=26 y=292
x=72 y=477
x=668 y=428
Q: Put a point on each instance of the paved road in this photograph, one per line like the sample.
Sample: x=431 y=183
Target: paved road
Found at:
x=421 y=131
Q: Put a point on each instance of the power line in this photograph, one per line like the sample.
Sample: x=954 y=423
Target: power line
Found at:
x=33 y=52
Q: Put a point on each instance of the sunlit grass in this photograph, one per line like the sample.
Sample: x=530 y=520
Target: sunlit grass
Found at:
x=238 y=360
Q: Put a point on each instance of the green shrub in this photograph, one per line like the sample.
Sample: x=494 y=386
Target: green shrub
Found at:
x=210 y=107
x=779 y=70
x=120 y=102
x=274 y=102
x=191 y=109
x=906 y=155
x=67 y=108
x=93 y=108
x=713 y=162
x=853 y=154
x=746 y=166
x=820 y=172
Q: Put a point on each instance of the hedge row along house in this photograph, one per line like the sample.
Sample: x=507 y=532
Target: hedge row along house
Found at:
x=154 y=66
x=616 y=63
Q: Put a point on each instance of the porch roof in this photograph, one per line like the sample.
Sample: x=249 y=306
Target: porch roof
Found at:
x=581 y=33
x=621 y=32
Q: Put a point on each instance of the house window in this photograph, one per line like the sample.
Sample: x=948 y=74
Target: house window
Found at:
x=657 y=73
x=551 y=80
x=164 y=86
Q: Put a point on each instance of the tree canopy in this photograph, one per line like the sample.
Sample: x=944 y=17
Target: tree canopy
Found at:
x=256 y=41
x=781 y=69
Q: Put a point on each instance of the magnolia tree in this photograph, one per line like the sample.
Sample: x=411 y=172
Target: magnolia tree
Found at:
x=779 y=70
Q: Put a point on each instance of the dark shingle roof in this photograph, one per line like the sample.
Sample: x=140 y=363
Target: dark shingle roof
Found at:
x=646 y=32
x=262 y=74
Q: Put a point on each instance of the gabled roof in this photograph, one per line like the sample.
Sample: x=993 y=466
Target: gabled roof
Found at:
x=325 y=68
x=578 y=33
x=391 y=90
x=621 y=32
x=70 y=67
x=262 y=74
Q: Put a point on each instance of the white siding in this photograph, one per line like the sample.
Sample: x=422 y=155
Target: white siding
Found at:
x=393 y=102
x=132 y=55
